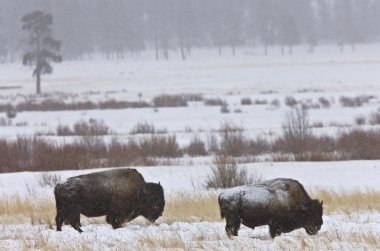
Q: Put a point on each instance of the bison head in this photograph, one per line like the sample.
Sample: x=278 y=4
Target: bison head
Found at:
x=154 y=201
x=312 y=211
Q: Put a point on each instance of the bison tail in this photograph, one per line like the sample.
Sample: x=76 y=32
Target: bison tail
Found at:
x=220 y=207
x=57 y=194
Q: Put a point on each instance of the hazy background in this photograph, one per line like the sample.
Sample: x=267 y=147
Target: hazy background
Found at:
x=173 y=28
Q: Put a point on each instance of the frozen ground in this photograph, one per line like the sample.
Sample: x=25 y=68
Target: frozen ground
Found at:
x=327 y=73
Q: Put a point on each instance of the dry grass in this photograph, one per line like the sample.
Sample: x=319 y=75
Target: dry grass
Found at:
x=182 y=207
x=192 y=208
x=348 y=202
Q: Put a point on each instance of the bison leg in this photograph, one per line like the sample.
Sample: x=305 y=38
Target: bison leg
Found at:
x=115 y=220
x=74 y=220
x=274 y=230
x=232 y=225
x=59 y=219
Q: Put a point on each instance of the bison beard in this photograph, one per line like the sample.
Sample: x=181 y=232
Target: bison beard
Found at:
x=283 y=204
x=120 y=194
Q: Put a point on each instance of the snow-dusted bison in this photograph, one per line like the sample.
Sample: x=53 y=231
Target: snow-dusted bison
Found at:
x=283 y=204
x=120 y=194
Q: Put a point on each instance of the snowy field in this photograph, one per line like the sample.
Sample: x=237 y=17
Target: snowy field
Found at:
x=326 y=73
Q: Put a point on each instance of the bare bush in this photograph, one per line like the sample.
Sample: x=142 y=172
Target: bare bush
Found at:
x=233 y=141
x=308 y=104
x=224 y=108
x=91 y=128
x=193 y=97
x=83 y=128
x=355 y=101
x=58 y=105
x=296 y=131
x=225 y=173
x=212 y=143
x=374 y=118
x=64 y=130
x=160 y=146
x=275 y=103
x=260 y=102
x=11 y=112
x=5 y=122
x=166 y=100
x=258 y=146
x=290 y=101
x=317 y=124
x=113 y=104
x=360 y=120
x=196 y=147
x=214 y=102
x=47 y=179
x=246 y=101
x=146 y=128
x=359 y=144
x=324 y=102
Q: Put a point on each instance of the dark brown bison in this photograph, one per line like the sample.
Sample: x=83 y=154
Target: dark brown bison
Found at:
x=283 y=204
x=120 y=194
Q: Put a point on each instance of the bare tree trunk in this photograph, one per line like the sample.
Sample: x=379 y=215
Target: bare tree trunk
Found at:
x=38 y=82
x=156 y=44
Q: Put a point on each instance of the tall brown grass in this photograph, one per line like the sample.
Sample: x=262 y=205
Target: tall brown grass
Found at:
x=183 y=207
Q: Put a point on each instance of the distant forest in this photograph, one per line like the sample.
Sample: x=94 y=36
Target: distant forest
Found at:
x=173 y=28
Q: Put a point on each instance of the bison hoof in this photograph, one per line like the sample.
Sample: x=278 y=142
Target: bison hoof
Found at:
x=231 y=233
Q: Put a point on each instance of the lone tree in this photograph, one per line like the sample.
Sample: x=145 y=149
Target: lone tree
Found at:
x=43 y=48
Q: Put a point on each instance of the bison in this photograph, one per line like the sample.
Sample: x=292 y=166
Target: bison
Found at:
x=119 y=194
x=281 y=203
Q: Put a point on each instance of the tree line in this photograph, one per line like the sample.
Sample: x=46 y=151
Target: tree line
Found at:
x=173 y=28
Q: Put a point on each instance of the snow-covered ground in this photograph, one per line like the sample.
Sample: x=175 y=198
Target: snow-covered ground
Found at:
x=326 y=73
x=340 y=231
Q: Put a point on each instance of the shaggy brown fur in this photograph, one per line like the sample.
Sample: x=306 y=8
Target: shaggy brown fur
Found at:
x=120 y=194
x=283 y=204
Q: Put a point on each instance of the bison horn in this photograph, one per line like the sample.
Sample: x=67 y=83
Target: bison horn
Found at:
x=322 y=203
